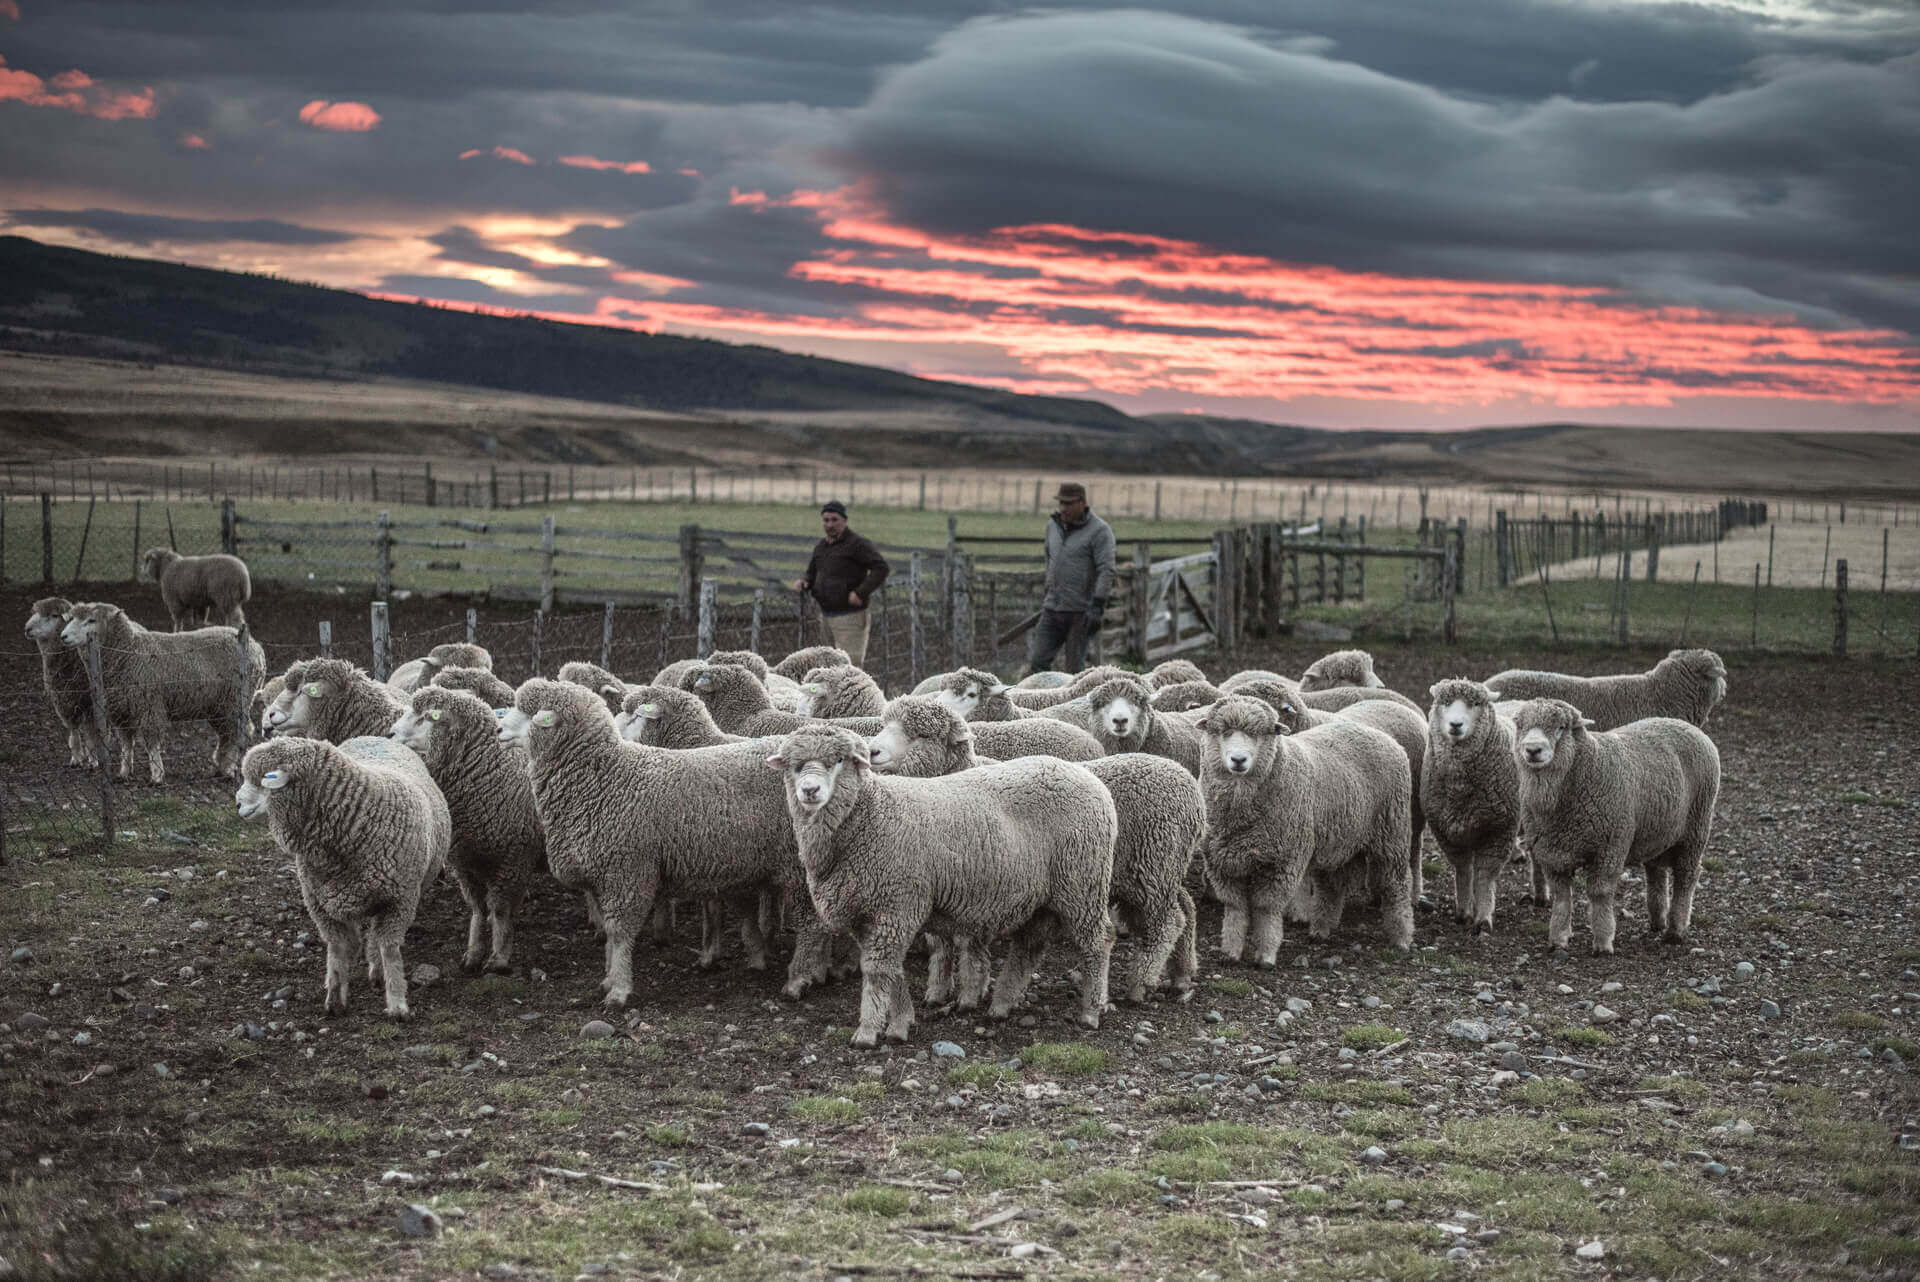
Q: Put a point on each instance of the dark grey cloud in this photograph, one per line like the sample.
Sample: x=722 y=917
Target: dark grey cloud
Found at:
x=147 y=229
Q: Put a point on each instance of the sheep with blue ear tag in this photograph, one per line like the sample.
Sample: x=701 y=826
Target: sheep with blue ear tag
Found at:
x=367 y=829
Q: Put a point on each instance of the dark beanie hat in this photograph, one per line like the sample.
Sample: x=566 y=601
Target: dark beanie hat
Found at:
x=834 y=505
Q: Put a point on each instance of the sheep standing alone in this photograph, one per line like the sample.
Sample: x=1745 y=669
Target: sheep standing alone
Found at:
x=490 y=689
x=1470 y=793
x=416 y=674
x=63 y=674
x=336 y=701
x=663 y=718
x=200 y=588
x=627 y=824
x=1015 y=848
x=498 y=845
x=1687 y=684
x=832 y=693
x=1331 y=803
x=1162 y=818
x=1119 y=713
x=1600 y=800
x=367 y=829
x=153 y=679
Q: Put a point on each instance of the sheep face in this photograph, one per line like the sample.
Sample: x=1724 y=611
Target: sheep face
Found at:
x=1122 y=708
x=911 y=725
x=635 y=719
x=49 y=617
x=320 y=680
x=543 y=709
x=1458 y=709
x=266 y=770
x=885 y=749
x=87 y=621
x=1241 y=731
x=1706 y=668
x=1546 y=730
x=156 y=560
x=278 y=711
x=815 y=765
x=1341 y=668
x=963 y=691
x=810 y=691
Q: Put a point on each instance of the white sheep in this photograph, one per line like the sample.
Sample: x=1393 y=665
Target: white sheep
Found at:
x=1470 y=793
x=1600 y=800
x=491 y=690
x=367 y=830
x=1119 y=713
x=1018 y=848
x=782 y=691
x=63 y=674
x=1174 y=672
x=626 y=824
x=1340 y=668
x=664 y=718
x=415 y=674
x=1687 y=684
x=1332 y=804
x=796 y=665
x=498 y=846
x=153 y=679
x=843 y=691
x=197 y=589
x=1162 y=818
x=334 y=700
x=593 y=677
x=740 y=705
x=1053 y=696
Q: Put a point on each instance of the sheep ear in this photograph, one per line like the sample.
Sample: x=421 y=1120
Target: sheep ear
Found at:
x=999 y=687
x=776 y=762
x=1586 y=723
x=1493 y=696
x=1204 y=725
x=432 y=662
x=274 y=780
x=1376 y=683
x=611 y=688
x=861 y=763
x=544 y=717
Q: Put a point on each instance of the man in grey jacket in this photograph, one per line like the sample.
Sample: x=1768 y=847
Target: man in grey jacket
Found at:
x=1079 y=577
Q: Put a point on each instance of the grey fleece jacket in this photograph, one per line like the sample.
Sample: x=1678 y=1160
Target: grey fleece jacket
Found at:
x=1079 y=563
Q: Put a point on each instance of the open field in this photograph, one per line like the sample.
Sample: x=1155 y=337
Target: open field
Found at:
x=1802 y=556
x=1696 y=1134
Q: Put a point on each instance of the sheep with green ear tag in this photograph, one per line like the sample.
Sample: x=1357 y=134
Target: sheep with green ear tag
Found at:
x=831 y=694
x=336 y=701
x=498 y=844
x=367 y=829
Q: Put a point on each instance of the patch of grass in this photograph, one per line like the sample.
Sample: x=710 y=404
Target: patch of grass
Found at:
x=1872 y=799
x=328 y=1131
x=1380 y=1123
x=1069 y=1059
x=1228 y=987
x=1575 y=1035
x=1370 y=1037
x=1858 y=1021
x=824 y=1108
x=878 y=1199
x=1547 y=1092
x=1684 y=999
x=1358 y=1093
x=1109 y=1187
x=498 y=988
x=1180 y=1104
x=1766 y=921
x=1714 y=863
x=979 y=1075
x=999 y=1160
x=1687 y=1088
x=668 y=1136
x=556 y=1118
x=1900 y=1046
x=686 y=1098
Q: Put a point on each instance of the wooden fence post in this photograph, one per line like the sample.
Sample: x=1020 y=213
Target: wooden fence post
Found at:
x=1692 y=592
x=759 y=605
x=1139 y=601
x=1770 y=533
x=546 y=563
x=229 y=534
x=691 y=566
x=923 y=493
x=537 y=638
x=1840 y=607
x=383 y=556
x=1502 y=550
x=243 y=698
x=1884 y=532
x=46 y=537
x=1459 y=560
x=1626 y=579
x=960 y=610
x=326 y=638
x=382 y=641
x=1653 y=549
x=432 y=495
x=1449 y=576
x=473 y=623
x=97 y=688
x=1156 y=500
x=493 y=485
x=1753 y=639
x=606 y=638
x=709 y=598
x=79 y=562
x=916 y=639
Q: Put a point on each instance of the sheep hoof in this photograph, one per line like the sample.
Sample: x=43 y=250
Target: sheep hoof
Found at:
x=863 y=1040
x=1090 y=1021
x=400 y=1012
x=707 y=961
x=1670 y=937
x=473 y=963
x=498 y=966
x=1268 y=963
x=1482 y=928
x=1603 y=952
x=1184 y=994
x=616 y=999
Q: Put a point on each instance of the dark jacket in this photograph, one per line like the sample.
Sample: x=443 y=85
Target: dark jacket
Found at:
x=1079 y=563
x=848 y=564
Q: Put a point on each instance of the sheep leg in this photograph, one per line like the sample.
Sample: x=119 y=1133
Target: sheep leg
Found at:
x=1158 y=938
x=1486 y=885
x=974 y=972
x=1463 y=887
x=1300 y=903
x=1659 y=874
x=342 y=943
x=1233 y=920
x=126 y=742
x=1186 y=954
x=812 y=954
x=1329 y=903
x=1542 y=883
x=753 y=941
x=1016 y=972
x=624 y=917
x=1560 y=913
x=1416 y=874
x=661 y=931
x=712 y=926
x=385 y=937
x=594 y=919
x=883 y=986
x=153 y=729
x=1686 y=879
x=1266 y=912
x=1094 y=958
x=502 y=904
x=939 y=969
x=476 y=897
x=1603 y=887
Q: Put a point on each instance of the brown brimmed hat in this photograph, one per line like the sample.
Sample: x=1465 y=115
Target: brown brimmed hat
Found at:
x=1070 y=490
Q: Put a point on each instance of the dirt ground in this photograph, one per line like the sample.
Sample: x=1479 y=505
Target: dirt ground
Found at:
x=176 y=1107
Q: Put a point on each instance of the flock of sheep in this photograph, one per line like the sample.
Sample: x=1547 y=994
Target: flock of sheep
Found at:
x=967 y=813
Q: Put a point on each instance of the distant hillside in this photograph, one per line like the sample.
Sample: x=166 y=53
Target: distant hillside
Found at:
x=71 y=302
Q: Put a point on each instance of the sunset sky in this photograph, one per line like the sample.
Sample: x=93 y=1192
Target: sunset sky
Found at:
x=1389 y=213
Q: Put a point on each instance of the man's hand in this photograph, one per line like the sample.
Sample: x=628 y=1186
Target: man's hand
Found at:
x=799 y=585
x=1096 y=615
x=853 y=599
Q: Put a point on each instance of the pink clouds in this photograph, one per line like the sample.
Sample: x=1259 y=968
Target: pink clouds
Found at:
x=593 y=162
x=514 y=154
x=194 y=142
x=1094 y=312
x=8 y=9
x=340 y=117
x=73 y=91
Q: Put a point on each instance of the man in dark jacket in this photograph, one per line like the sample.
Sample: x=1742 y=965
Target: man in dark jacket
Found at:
x=845 y=572
x=1079 y=577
